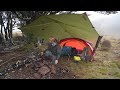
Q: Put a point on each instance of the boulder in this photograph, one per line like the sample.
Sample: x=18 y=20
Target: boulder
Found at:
x=53 y=69
x=37 y=76
x=37 y=65
x=46 y=62
x=1 y=60
x=44 y=70
x=41 y=64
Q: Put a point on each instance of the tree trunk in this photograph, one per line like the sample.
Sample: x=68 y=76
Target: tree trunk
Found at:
x=1 y=19
x=6 y=34
x=1 y=30
x=2 y=36
x=10 y=31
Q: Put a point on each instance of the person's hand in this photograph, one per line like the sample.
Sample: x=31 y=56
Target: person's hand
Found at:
x=56 y=61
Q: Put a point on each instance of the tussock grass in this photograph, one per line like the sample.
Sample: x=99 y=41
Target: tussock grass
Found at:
x=105 y=45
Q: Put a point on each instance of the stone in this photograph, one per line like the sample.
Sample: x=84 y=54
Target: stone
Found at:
x=45 y=62
x=32 y=78
x=13 y=71
x=27 y=61
x=44 y=70
x=27 y=65
x=53 y=69
x=20 y=69
x=37 y=65
x=37 y=76
x=6 y=49
x=36 y=69
x=41 y=64
x=1 y=60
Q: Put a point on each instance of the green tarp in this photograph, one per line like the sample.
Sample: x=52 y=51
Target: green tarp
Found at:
x=63 y=26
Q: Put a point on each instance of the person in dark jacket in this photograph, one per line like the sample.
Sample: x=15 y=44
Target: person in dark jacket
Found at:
x=53 y=51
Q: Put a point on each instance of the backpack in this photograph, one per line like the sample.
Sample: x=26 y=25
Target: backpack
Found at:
x=86 y=55
x=66 y=50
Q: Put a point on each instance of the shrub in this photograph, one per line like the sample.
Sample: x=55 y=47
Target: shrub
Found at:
x=106 y=45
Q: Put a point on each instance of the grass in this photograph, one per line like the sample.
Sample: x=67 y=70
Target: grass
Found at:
x=25 y=47
x=117 y=74
x=103 y=71
x=87 y=70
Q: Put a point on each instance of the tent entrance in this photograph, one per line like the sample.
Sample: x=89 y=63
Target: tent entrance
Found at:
x=77 y=43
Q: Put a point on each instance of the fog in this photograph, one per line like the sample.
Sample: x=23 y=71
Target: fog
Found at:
x=107 y=24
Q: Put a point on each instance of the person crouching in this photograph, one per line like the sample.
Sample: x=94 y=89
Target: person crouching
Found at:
x=53 y=50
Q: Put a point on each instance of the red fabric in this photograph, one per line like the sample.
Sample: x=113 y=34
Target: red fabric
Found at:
x=79 y=44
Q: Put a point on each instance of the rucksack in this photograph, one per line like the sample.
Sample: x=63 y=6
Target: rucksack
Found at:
x=86 y=55
x=66 y=50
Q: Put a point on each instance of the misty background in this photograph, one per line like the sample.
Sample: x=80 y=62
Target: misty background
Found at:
x=107 y=25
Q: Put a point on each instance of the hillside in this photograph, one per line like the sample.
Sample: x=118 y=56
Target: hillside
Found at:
x=105 y=66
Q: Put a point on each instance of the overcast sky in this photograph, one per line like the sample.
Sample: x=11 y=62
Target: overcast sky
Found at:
x=105 y=24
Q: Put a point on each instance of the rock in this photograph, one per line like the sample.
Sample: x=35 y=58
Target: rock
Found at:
x=45 y=62
x=1 y=60
x=31 y=77
x=27 y=61
x=13 y=71
x=31 y=56
x=44 y=70
x=6 y=49
x=109 y=73
x=41 y=53
x=46 y=77
x=1 y=73
x=116 y=52
x=37 y=65
x=38 y=59
x=36 y=69
x=37 y=76
x=27 y=65
x=20 y=69
x=53 y=69
x=41 y=64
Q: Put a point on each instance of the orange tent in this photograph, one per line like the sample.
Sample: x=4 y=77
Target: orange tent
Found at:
x=79 y=44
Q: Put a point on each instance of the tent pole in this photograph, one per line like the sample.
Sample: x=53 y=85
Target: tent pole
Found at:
x=97 y=43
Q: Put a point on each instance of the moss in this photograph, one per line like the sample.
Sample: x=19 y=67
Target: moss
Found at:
x=92 y=77
x=117 y=64
x=114 y=65
x=117 y=74
x=103 y=71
